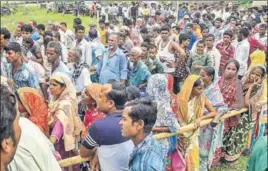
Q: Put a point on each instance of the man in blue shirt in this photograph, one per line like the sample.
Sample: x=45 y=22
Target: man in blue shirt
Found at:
x=18 y=71
x=113 y=64
x=193 y=38
x=138 y=118
x=104 y=136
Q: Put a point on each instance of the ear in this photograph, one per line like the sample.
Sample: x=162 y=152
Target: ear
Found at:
x=140 y=125
x=7 y=145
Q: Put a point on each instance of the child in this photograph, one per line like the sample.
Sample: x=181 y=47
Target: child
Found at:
x=152 y=62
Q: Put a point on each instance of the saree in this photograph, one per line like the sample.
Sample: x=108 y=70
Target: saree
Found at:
x=236 y=137
x=63 y=118
x=35 y=106
x=188 y=111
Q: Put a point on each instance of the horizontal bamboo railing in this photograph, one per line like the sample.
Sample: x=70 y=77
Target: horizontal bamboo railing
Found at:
x=78 y=159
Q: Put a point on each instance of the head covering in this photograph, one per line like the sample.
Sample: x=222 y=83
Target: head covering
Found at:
x=36 y=107
x=184 y=97
x=64 y=109
x=94 y=90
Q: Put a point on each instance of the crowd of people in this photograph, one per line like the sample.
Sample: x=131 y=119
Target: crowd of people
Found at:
x=105 y=93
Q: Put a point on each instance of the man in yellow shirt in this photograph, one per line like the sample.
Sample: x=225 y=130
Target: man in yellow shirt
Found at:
x=146 y=13
x=103 y=32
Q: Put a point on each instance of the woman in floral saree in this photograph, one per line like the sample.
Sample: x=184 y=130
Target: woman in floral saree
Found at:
x=236 y=137
x=33 y=106
x=210 y=138
x=64 y=123
x=192 y=104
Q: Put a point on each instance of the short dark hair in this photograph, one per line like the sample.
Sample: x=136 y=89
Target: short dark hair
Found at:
x=244 y=31
x=41 y=27
x=145 y=44
x=57 y=35
x=77 y=21
x=5 y=32
x=190 y=25
x=27 y=28
x=201 y=42
x=210 y=71
x=165 y=28
x=144 y=30
x=118 y=95
x=209 y=35
x=79 y=27
x=101 y=21
x=143 y=109
x=218 y=19
x=263 y=25
x=198 y=82
x=8 y=115
x=183 y=37
x=152 y=46
x=63 y=23
x=132 y=93
x=261 y=68
x=28 y=40
x=237 y=65
x=228 y=33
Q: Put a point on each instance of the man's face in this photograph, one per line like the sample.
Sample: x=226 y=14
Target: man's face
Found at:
x=18 y=32
x=226 y=39
x=200 y=48
x=80 y=34
x=10 y=144
x=103 y=103
x=262 y=31
x=26 y=34
x=3 y=41
x=12 y=56
x=128 y=127
x=122 y=31
x=134 y=57
x=209 y=42
x=165 y=34
x=113 y=41
x=51 y=54
x=205 y=32
x=40 y=31
x=239 y=37
x=144 y=50
x=186 y=43
x=102 y=25
x=152 y=53
x=217 y=24
x=62 y=27
x=188 y=29
x=71 y=56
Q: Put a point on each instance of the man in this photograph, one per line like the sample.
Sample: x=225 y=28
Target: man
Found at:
x=152 y=61
x=189 y=31
x=113 y=65
x=213 y=52
x=138 y=118
x=138 y=71
x=103 y=32
x=10 y=130
x=134 y=12
x=167 y=50
x=104 y=136
x=67 y=35
x=64 y=50
x=34 y=33
x=124 y=30
x=217 y=30
x=16 y=37
x=5 y=36
x=18 y=71
x=122 y=46
x=261 y=36
x=226 y=50
x=242 y=51
x=53 y=56
x=41 y=30
x=32 y=50
x=198 y=60
x=82 y=44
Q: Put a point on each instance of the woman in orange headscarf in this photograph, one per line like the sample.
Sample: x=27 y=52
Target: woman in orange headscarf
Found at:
x=33 y=106
x=191 y=106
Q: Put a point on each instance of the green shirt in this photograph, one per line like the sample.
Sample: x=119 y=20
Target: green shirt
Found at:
x=155 y=66
x=195 y=59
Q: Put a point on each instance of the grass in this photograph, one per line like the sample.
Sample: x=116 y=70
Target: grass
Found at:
x=239 y=166
x=41 y=17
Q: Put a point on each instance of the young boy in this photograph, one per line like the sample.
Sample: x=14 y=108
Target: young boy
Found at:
x=152 y=61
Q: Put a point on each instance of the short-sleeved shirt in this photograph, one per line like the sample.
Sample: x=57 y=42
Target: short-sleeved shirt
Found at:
x=113 y=149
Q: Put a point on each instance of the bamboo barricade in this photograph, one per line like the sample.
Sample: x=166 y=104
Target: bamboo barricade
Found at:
x=78 y=159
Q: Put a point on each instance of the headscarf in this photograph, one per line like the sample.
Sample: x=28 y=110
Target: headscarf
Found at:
x=36 y=107
x=184 y=97
x=64 y=109
x=94 y=90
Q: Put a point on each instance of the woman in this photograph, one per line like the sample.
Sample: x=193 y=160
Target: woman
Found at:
x=190 y=111
x=252 y=90
x=157 y=90
x=173 y=97
x=33 y=106
x=63 y=121
x=231 y=89
x=89 y=99
x=210 y=137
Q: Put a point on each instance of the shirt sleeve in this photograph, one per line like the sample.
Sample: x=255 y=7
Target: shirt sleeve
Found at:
x=123 y=68
x=57 y=130
x=92 y=139
x=209 y=61
x=86 y=77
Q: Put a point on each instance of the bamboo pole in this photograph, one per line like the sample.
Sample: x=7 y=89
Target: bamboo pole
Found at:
x=78 y=159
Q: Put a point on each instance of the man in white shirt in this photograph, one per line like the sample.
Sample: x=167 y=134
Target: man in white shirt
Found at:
x=226 y=14
x=64 y=50
x=68 y=35
x=82 y=44
x=261 y=36
x=217 y=30
x=242 y=51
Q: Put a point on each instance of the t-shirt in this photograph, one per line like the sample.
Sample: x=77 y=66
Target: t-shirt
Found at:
x=133 y=11
x=113 y=149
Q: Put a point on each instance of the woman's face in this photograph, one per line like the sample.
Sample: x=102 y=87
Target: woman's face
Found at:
x=198 y=90
x=55 y=88
x=255 y=76
x=87 y=99
x=21 y=108
x=206 y=79
x=230 y=70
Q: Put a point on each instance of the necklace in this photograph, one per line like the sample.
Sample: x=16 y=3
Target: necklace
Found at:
x=163 y=46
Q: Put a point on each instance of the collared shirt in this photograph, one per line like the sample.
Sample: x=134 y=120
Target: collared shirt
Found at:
x=139 y=75
x=226 y=54
x=148 y=156
x=113 y=149
x=86 y=51
x=23 y=78
x=242 y=55
x=215 y=58
x=82 y=81
x=112 y=67
x=68 y=38
x=97 y=50
x=63 y=69
x=195 y=59
x=217 y=32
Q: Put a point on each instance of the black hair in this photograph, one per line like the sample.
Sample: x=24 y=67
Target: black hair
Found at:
x=156 y=29
x=200 y=42
x=145 y=44
x=57 y=35
x=27 y=28
x=132 y=93
x=209 y=35
x=198 y=82
x=197 y=15
x=79 y=27
x=183 y=37
x=247 y=25
x=8 y=115
x=190 y=25
x=263 y=25
x=63 y=23
x=101 y=21
x=237 y=65
x=28 y=40
x=143 y=109
x=41 y=27
x=152 y=46
x=118 y=95
x=5 y=32
x=204 y=27
x=165 y=28
x=218 y=19
x=244 y=31
x=228 y=33
x=261 y=68
x=144 y=30
x=210 y=71
x=77 y=21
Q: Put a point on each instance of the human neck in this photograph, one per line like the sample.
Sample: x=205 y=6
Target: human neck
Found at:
x=3 y=165
x=55 y=64
x=112 y=111
x=139 y=138
x=209 y=48
x=112 y=49
x=17 y=63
